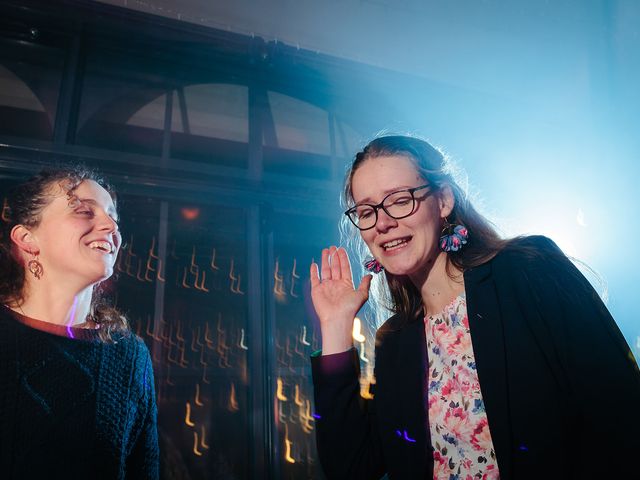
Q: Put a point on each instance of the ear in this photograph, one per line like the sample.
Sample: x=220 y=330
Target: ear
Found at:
x=446 y=200
x=22 y=237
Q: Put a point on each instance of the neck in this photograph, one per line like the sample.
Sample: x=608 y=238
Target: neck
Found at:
x=437 y=287
x=56 y=304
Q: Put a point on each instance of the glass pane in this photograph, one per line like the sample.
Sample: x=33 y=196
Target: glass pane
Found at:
x=297 y=240
x=348 y=140
x=203 y=387
x=218 y=111
x=30 y=76
x=114 y=93
x=299 y=125
x=210 y=124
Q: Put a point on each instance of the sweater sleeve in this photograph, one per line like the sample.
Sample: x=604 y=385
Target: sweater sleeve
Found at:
x=143 y=461
x=347 y=437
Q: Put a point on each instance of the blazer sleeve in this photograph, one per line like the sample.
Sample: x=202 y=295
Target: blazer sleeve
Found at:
x=346 y=434
x=600 y=369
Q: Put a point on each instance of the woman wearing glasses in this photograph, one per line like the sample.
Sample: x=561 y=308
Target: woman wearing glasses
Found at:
x=76 y=386
x=499 y=359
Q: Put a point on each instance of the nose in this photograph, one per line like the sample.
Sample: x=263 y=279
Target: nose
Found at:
x=108 y=224
x=385 y=222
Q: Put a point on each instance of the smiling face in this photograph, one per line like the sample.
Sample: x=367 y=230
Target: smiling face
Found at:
x=77 y=238
x=406 y=246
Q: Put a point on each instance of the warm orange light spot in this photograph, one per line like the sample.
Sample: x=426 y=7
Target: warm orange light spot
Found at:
x=297 y=399
x=279 y=392
x=233 y=402
x=190 y=213
x=365 y=384
x=195 y=445
x=287 y=448
x=197 y=399
x=187 y=417
x=306 y=418
x=202 y=442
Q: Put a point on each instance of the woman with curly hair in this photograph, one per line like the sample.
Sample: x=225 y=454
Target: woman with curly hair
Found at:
x=76 y=386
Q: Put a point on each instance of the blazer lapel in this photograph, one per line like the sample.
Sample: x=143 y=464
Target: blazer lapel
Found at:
x=487 y=337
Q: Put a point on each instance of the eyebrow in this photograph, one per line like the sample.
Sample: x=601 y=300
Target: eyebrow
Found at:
x=384 y=194
x=110 y=210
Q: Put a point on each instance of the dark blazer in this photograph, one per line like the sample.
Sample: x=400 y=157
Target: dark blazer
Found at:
x=560 y=385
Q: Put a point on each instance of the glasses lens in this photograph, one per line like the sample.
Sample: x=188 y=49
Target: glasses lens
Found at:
x=399 y=204
x=364 y=216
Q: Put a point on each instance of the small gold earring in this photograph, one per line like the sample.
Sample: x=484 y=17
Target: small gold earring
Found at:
x=35 y=267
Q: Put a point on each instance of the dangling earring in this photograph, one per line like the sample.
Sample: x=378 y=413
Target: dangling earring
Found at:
x=372 y=265
x=453 y=237
x=35 y=267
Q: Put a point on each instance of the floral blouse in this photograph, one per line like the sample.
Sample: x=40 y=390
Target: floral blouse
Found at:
x=463 y=449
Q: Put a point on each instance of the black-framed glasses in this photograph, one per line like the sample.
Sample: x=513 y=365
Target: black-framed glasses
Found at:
x=397 y=205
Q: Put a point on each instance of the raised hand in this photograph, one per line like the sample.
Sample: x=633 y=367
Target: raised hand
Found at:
x=335 y=299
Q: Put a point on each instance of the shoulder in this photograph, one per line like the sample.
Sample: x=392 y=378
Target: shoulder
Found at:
x=531 y=252
x=133 y=355
x=532 y=247
x=129 y=345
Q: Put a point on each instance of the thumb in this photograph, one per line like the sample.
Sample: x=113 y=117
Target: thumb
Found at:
x=364 y=286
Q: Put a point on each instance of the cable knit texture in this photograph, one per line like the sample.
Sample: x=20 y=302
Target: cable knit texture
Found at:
x=75 y=408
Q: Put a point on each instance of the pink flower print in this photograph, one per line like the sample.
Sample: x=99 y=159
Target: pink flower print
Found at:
x=481 y=438
x=456 y=421
x=440 y=465
x=465 y=322
x=443 y=336
x=449 y=388
x=461 y=345
x=435 y=408
x=467 y=382
x=491 y=473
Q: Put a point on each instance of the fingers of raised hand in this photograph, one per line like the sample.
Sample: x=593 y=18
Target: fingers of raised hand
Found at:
x=334 y=261
x=345 y=264
x=325 y=271
x=314 y=275
x=334 y=265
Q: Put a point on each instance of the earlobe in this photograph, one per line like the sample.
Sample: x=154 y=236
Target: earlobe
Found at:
x=22 y=237
x=446 y=200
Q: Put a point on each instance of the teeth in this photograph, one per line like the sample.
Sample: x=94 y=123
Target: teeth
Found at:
x=394 y=243
x=101 y=245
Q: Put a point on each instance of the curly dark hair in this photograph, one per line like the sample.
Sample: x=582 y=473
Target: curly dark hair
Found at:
x=24 y=206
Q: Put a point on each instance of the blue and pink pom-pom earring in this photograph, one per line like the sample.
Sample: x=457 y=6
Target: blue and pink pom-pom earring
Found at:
x=454 y=238
x=372 y=265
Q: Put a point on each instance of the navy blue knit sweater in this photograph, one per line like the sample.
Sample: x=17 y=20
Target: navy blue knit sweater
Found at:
x=74 y=407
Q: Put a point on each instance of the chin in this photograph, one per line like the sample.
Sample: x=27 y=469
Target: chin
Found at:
x=102 y=275
x=398 y=270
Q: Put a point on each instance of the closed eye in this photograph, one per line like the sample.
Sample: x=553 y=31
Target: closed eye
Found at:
x=365 y=213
